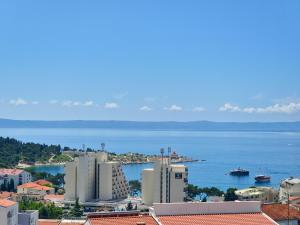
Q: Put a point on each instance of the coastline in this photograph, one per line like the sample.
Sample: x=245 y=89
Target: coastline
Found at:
x=23 y=165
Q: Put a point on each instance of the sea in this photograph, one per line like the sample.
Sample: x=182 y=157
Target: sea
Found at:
x=276 y=154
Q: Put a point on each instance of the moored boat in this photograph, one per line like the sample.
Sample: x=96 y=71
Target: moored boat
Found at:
x=262 y=179
x=239 y=172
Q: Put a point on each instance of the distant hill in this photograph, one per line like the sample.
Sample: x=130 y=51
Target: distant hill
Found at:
x=189 y=126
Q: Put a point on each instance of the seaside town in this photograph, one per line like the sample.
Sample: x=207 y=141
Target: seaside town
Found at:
x=150 y=112
x=94 y=190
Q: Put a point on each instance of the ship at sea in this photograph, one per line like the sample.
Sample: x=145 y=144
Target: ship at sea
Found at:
x=239 y=172
x=262 y=179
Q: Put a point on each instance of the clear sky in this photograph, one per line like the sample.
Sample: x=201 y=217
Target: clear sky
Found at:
x=150 y=60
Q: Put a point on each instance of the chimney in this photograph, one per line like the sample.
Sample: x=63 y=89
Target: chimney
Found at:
x=140 y=223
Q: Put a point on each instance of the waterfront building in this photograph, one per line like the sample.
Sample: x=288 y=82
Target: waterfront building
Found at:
x=90 y=177
x=289 y=188
x=263 y=194
x=165 y=183
x=18 y=176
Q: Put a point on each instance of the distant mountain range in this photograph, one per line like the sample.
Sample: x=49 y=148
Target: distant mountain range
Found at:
x=189 y=126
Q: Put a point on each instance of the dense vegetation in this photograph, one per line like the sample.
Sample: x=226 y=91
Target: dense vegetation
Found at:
x=13 y=151
x=46 y=211
x=57 y=180
x=135 y=187
x=194 y=191
x=61 y=158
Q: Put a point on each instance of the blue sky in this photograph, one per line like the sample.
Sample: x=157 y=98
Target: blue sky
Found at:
x=150 y=60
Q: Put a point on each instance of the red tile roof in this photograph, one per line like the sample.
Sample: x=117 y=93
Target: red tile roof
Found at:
x=54 y=197
x=279 y=211
x=6 y=203
x=5 y=194
x=10 y=171
x=43 y=182
x=35 y=186
x=217 y=219
x=294 y=198
x=58 y=222
x=48 y=222
x=123 y=220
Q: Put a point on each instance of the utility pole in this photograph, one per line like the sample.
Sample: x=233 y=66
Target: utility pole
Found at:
x=288 y=205
x=162 y=150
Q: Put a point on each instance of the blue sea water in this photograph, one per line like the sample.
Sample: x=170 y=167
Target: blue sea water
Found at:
x=272 y=153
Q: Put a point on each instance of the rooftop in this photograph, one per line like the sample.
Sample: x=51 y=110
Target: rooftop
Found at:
x=43 y=182
x=293 y=180
x=294 y=198
x=217 y=219
x=254 y=190
x=6 y=203
x=35 y=186
x=5 y=194
x=279 y=211
x=124 y=220
x=54 y=197
x=207 y=208
x=237 y=213
x=60 y=222
x=48 y=222
x=10 y=171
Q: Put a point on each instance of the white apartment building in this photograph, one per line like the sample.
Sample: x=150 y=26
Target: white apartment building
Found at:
x=90 y=177
x=262 y=194
x=289 y=188
x=8 y=212
x=165 y=183
x=18 y=176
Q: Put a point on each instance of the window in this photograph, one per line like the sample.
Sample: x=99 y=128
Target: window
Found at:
x=178 y=175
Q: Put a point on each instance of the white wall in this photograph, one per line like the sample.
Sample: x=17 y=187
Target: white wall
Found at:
x=13 y=211
x=105 y=184
x=147 y=186
x=29 y=217
x=286 y=222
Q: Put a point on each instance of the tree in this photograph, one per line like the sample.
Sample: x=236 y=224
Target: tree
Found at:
x=135 y=187
x=192 y=191
x=230 y=195
x=43 y=213
x=213 y=191
x=76 y=211
x=11 y=185
x=129 y=206
x=46 y=211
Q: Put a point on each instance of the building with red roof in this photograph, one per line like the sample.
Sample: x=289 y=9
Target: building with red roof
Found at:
x=8 y=212
x=60 y=222
x=18 y=176
x=43 y=182
x=124 y=218
x=34 y=188
x=281 y=213
x=220 y=213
